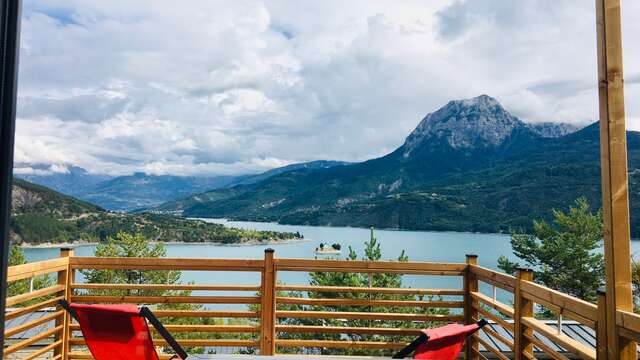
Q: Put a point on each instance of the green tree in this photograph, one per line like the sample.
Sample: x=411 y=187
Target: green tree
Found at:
x=16 y=257
x=564 y=255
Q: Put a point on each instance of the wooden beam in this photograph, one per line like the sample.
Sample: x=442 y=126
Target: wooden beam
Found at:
x=601 y=326
x=268 y=305
x=470 y=313
x=523 y=309
x=613 y=163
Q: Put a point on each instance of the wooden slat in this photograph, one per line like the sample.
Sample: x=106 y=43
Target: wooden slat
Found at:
x=168 y=299
x=477 y=353
x=199 y=328
x=28 y=325
x=87 y=356
x=80 y=355
x=365 y=266
x=206 y=314
x=566 y=313
x=367 y=316
x=338 y=344
x=628 y=334
x=498 y=337
x=18 y=299
x=166 y=264
x=23 y=344
x=365 y=302
x=31 y=308
x=546 y=348
x=582 y=308
x=628 y=320
x=190 y=342
x=503 y=281
x=346 y=330
x=189 y=287
x=497 y=305
x=382 y=271
x=506 y=325
x=36 y=354
x=490 y=347
x=29 y=270
x=374 y=290
x=586 y=352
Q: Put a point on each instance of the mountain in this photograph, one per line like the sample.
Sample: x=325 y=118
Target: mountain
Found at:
x=70 y=180
x=552 y=130
x=42 y=215
x=311 y=165
x=469 y=166
x=125 y=193
x=140 y=191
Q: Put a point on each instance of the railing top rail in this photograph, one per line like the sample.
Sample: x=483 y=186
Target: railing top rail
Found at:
x=166 y=264
x=19 y=272
x=501 y=280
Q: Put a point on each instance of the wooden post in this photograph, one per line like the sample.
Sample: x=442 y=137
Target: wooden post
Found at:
x=613 y=164
x=470 y=313
x=63 y=279
x=601 y=326
x=268 y=306
x=522 y=308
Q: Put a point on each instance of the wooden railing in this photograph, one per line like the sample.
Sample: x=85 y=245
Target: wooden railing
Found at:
x=22 y=305
x=272 y=317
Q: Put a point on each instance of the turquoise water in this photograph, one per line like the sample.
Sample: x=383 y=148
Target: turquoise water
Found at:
x=419 y=246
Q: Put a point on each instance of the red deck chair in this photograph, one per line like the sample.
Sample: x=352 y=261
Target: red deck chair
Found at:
x=120 y=332
x=443 y=343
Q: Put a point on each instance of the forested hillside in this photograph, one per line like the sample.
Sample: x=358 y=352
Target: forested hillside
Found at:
x=41 y=215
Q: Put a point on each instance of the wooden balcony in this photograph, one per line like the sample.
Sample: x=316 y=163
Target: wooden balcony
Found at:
x=257 y=324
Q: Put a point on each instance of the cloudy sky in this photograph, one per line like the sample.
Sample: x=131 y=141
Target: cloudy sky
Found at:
x=230 y=86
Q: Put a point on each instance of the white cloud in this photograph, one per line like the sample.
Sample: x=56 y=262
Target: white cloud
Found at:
x=230 y=87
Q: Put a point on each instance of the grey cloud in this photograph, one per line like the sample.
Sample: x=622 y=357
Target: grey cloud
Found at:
x=560 y=88
x=86 y=108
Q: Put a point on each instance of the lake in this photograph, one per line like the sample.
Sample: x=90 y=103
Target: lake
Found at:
x=419 y=246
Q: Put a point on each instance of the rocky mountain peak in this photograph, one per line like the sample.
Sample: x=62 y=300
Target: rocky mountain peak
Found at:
x=465 y=124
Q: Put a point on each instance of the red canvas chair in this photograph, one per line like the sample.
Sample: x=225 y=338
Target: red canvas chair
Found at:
x=120 y=331
x=443 y=343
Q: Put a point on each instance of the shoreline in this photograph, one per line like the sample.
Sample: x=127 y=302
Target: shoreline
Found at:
x=244 y=243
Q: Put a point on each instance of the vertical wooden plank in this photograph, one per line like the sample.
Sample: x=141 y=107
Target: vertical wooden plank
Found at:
x=523 y=308
x=613 y=163
x=268 y=306
x=601 y=326
x=63 y=277
x=470 y=313
x=68 y=294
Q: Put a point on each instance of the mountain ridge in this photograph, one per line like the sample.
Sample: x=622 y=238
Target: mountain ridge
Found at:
x=140 y=190
x=490 y=183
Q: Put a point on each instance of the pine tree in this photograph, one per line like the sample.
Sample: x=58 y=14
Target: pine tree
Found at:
x=564 y=255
